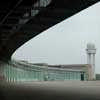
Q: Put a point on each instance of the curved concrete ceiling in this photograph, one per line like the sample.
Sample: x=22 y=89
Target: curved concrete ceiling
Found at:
x=65 y=42
x=11 y=11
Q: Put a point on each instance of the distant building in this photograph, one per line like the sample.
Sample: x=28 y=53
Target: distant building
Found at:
x=24 y=71
x=73 y=72
x=97 y=76
x=91 y=51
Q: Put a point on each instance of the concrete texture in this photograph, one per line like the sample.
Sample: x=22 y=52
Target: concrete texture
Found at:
x=55 y=90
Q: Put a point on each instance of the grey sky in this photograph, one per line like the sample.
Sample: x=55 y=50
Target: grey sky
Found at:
x=65 y=43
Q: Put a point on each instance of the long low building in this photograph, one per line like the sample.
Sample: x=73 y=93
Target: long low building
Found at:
x=24 y=71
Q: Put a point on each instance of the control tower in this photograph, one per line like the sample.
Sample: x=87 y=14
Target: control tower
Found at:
x=91 y=51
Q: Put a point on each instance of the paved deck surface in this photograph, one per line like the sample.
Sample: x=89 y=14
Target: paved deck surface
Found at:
x=55 y=90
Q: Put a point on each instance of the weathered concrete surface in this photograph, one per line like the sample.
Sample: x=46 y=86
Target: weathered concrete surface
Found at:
x=66 y=90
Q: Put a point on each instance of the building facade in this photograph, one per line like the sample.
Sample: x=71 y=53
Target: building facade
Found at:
x=24 y=71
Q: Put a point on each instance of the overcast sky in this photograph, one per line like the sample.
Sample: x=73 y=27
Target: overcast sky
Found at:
x=65 y=43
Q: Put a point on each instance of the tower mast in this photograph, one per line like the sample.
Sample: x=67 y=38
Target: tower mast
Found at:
x=91 y=51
